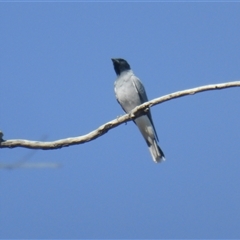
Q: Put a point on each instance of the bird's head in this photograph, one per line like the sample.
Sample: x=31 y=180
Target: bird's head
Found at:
x=120 y=65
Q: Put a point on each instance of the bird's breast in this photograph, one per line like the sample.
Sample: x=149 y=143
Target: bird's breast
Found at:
x=127 y=95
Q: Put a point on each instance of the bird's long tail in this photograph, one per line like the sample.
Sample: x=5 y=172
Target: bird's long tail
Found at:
x=146 y=128
x=156 y=152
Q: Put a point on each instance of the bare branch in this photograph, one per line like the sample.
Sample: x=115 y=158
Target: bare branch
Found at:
x=30 y=165
x=112 y=124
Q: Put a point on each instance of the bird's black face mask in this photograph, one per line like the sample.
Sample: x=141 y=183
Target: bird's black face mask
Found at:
x=120 y=65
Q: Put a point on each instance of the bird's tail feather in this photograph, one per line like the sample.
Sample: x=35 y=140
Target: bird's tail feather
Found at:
x=146 y=128
x=156 y=152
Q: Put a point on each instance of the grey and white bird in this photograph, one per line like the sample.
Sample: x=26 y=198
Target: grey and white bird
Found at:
x=130 y=93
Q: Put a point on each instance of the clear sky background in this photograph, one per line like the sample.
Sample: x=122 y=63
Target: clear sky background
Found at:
x=57 y=81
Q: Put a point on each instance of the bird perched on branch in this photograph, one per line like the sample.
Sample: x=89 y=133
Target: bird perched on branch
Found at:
x=130 y=93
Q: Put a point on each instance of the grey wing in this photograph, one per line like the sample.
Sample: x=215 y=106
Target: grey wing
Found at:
x=143 y=97
x=140 y=89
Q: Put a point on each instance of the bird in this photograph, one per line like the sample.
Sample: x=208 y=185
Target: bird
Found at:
x=131 y=93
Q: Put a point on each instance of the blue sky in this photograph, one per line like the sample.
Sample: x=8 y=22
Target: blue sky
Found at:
x=57 y=81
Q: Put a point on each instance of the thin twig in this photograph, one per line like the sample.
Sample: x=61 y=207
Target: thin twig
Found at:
x=112 y=124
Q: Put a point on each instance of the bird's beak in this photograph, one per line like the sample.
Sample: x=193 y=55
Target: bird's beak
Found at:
x=114 y=60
